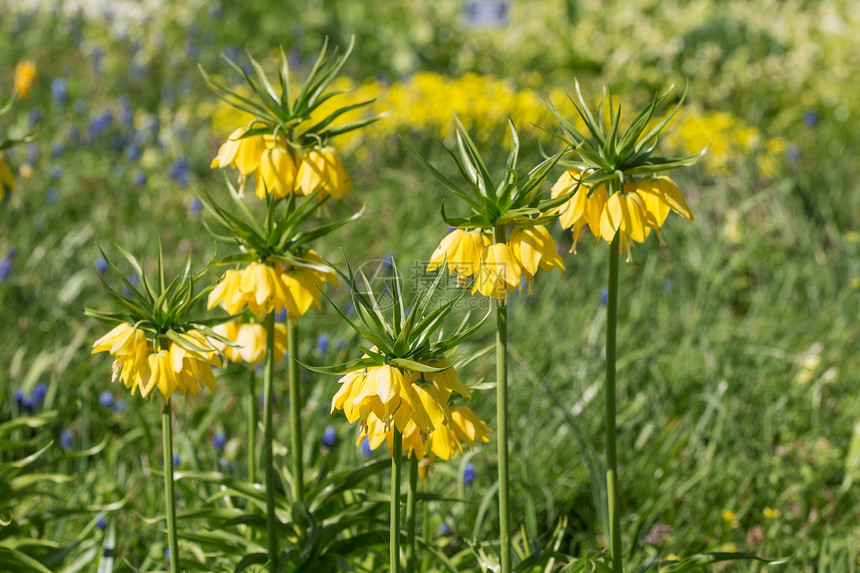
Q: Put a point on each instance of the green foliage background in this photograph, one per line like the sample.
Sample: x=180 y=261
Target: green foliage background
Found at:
x=738 y=341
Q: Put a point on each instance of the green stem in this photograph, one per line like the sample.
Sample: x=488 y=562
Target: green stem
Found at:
x=425 y=528
x=394 y=526
x=169 y=495
x=611 y=455
x=252 y=426
x=296 y=413
x=411 y=496
x=268 y=453
x=502 y=421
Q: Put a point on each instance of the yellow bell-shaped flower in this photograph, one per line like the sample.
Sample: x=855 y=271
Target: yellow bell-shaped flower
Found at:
x=323 y=169
x=277 y=173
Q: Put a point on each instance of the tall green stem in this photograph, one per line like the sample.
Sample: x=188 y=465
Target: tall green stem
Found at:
x=502 y=420
x=396 y=463
x=268 y=453
x=411 y=496
x=296 y=413
x=611 y=455
x=425 y=528
x=252 y=426
x=169 y=495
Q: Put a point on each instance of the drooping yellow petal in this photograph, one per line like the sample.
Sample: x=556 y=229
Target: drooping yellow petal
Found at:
x=227 y=151
x=534 y=248
x=673 y=197
x=277 y=173
x=323 y=169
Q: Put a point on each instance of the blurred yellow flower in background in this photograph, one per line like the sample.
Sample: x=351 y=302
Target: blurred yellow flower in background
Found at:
x=7 y=179
x=25 y=75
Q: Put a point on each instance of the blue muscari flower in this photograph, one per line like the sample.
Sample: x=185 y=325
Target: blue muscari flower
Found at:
x=263 y=394
x=792 y=153
x=35 y=115
x=329 y=437
x=126 y=115
x=176 y=459
x=444 y=529
x=604 y=297
x=101 y=265
x=74 y=134
x=140 y=179
x=196 y=206
x=132 y=152
x=39 y=393
x=119 y=406
x=388 y=261
x=811 y=117
x=5 y=268
x=32 y=152
x=348 y=308
x=191 y=49
x=19 y=398
x=219 y=440
x=66 y=439
x=106 y=399
x=282 y=315
x=152 y=126
x=322 y=343
x=56 y=172
x=100 y=123
x=232 y=52
x=101 y=522
x=469 y=474
x=57 y=149
x=58 y=90
x=365 y=447
x=97 y=61
x=179 y=171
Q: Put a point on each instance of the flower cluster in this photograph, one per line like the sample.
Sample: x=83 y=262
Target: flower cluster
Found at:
x=279 y=171
x=641 y=206
x=443 y=443
x=497 y=267
x=397 y=396
x=266 y=288
x=250 y=341
x=184 y=366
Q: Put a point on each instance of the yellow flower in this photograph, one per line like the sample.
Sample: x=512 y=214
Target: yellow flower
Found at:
x=672 y=557
x=241 y=153
x=534 y=248
x=7 y=179
x=499 y=268
x=130 y=348
x=461 y=251
x=397 y=397
x=322 y=169
x=660 y=195
x=728 y=515
x=625 y=213
x=468 y=427
x=580 y=210
x=251 y=339
x=267 y=288
x=770 y=513
x=177 y=368
x=25 y=75
x=277 y=174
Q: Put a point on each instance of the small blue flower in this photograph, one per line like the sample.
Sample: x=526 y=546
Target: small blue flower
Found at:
x=219 y=440
x=811 y=117
x=604 y=297
x=57 y=149
x=140 y=179
x=51 y=195
x=56 y=172
x=282 y=315
x=101 y=265
x=329 y=437
x=469 y=474
x=262 y=395
x=106 y=399
x=58 y=90
x=132 y=152
x=322 y=343
x=66 y=439
x=176 y=460
x=792 y=153
x=101 y=522
x=19 y=398
x=119 y=406
x=35 y=115
x=179 y=171
x=444 y=529
x=5 y=268
x=365 y=448
x=126 y=116
x=100 y=123
x=195 y=207
x=348 y=308
x=39 y=393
